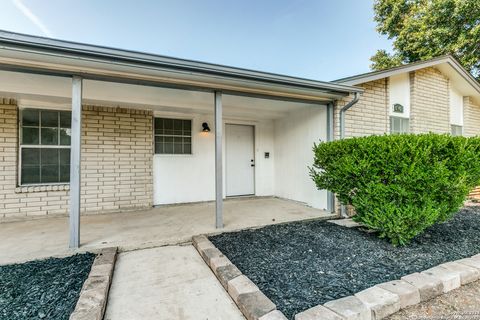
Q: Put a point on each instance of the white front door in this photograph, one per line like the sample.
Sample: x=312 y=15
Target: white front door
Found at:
x=239 y=160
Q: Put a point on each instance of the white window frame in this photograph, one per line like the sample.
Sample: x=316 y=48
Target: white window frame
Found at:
x=401 y=119
x=36 y=146
x=192 y=136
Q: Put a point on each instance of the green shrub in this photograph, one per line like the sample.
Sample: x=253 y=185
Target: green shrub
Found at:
x=399 y=185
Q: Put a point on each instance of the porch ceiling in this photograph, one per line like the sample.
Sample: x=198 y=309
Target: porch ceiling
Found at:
x=36 y=90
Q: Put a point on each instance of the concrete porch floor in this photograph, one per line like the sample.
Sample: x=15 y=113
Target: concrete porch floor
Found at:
x=34 y=239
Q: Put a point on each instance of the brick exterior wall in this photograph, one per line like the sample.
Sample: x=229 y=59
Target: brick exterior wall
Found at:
x=429 y=108
x=117 y=153
x=471 y=118
x=369 y=115
x=429 y=102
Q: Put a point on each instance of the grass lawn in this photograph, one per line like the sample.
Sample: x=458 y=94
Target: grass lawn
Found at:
x=302 y=264
x=43 y=289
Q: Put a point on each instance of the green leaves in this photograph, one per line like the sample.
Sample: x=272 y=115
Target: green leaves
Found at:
x=399 y=184
x=423 y=29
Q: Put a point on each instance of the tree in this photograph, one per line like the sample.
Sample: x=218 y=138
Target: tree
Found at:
x=424 y=29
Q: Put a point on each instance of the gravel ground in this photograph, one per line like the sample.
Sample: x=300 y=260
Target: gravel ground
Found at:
x=463 y=303
x=43 y=289
x=302 y=264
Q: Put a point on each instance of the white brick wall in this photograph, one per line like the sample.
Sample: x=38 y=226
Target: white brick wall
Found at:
x=117 y=151
x=369 y=115
x=471 y=118
x=116 y=165
x=429 y=110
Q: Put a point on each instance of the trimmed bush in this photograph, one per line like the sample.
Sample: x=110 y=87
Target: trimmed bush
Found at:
x=399 y=185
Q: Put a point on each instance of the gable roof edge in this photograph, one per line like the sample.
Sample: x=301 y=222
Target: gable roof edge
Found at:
x=376 y=75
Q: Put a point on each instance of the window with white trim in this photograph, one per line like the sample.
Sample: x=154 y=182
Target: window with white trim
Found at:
x=173 y=136
x=44 y=146
x=399 y=125
x=457 y=130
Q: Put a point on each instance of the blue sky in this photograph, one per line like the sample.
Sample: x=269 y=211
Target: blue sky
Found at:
x=317 y=39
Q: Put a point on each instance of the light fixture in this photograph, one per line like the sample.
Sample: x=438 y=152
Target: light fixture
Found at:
x=205 y=126
x=397 y=107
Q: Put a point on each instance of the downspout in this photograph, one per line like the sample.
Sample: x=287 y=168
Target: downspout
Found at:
x=342 y=113
x=343 y=208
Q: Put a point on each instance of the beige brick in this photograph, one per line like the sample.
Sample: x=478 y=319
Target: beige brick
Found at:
x=369 y=115
x=471 y=118
x=429 y=98
x=115 y=176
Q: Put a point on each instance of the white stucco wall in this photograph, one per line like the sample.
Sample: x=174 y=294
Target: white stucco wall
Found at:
x=399 y=92
x=456 y=107
x=190 y=178
x=264 y=168
x=294 y=138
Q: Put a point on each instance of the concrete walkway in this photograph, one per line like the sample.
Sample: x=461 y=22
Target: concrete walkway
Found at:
x=169 y=283
x=34 y=239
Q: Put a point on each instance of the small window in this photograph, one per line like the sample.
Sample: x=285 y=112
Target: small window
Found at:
x=44 y=146
x=457 y=130
x=399 y=125
x=173 y=136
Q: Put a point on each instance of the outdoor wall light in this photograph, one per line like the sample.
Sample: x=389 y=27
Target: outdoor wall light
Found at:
x=205 y=126
x=397 y=107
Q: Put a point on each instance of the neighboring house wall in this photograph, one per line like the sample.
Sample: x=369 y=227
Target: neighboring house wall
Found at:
x=294 y=139
x=369 y=115
x=116 y=168
x=430 y=111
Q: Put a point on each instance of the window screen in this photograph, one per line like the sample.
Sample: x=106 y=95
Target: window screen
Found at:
x=399 y=125
x=44 y=146
x=173 y=136
x=457 y=130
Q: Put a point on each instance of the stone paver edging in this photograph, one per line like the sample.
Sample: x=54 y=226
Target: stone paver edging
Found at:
x=377 y=302
x=250 y=300
x=93 y=297
x=383 y=300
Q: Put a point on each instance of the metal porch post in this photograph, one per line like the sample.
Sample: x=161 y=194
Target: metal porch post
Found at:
x=330 y=137
x=218 y=161
x=75 y=150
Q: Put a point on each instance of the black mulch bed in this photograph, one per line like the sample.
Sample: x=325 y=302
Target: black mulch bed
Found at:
x=43 y=289
x=302 y=264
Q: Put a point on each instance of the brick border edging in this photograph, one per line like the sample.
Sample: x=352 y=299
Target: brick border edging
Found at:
x=93 y=297
x=385 y=299
x=250 y=300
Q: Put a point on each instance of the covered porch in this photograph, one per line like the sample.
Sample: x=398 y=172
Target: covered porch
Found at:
x=44 y=237
x=116 y=100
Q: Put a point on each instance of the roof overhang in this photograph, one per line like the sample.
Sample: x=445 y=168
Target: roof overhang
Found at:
x=24 y=53
x=461 y=79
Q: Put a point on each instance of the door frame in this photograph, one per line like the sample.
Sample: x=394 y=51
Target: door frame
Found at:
x=243 y=123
